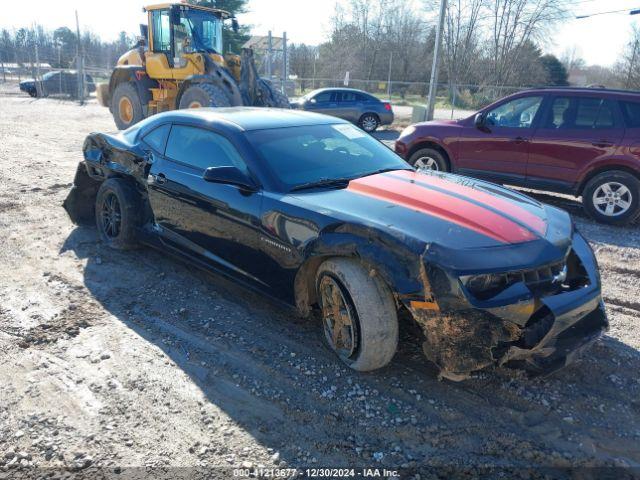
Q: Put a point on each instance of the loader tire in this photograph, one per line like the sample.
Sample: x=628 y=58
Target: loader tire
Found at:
x=278 y=99
x=126 y=106
x=203 y=95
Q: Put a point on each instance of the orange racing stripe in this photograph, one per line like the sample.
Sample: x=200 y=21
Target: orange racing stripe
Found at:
x=438 y=204
x=516 y=212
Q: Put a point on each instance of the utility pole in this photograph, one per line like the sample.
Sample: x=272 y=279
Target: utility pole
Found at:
x=269 y=54
x=285 y=63
x=316 y=55
x=35 y=42
x=631 y=64
x=433 y=83
x=79 y=65
x=389 y=77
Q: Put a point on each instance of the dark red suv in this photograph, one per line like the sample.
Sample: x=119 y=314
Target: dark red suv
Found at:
x=581 y=141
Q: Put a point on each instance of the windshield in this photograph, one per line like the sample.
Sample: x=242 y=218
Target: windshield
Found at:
x=48 y=75
x=302 y=155
x=204 y=30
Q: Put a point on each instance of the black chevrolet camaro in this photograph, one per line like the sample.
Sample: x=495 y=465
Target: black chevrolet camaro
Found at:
x=311 y=210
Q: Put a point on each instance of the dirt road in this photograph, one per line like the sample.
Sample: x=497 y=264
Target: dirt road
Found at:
x=124 y=361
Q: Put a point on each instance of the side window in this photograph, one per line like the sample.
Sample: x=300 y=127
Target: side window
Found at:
x=362 y=98
x=323 y=97
x=348 y=97
x=631 y=112
x=157 y=138
x=161 y=31
x=202 y=149
x=581 y=113
x=518 y=113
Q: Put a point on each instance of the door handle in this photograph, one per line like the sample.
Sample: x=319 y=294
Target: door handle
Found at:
x=160 y=178
x=602 y=143
x=520 y=140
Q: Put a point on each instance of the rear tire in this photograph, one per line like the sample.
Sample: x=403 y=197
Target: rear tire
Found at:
x=369 y=122
x=368 y=320
x=117 y=214
x=612 y=197
x=202 y=95
x=126 y=106
x=429 y=159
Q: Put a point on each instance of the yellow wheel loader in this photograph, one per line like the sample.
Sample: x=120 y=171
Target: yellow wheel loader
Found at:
x=179 y=64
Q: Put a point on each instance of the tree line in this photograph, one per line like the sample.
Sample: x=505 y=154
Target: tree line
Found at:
x=485 y=43
x=58 y=47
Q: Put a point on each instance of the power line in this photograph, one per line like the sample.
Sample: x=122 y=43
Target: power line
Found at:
x=632 y=11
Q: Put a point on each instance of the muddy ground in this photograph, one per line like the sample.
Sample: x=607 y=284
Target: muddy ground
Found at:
x=122 y=364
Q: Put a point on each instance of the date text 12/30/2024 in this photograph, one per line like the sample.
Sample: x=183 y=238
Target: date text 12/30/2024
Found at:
x=316 y=472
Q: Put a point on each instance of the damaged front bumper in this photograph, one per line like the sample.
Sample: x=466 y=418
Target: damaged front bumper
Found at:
x=541 y=327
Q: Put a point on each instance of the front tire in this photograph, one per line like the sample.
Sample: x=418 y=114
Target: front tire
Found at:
x=359 y=317
x=203 y=95
x=369 y=122
x=126 y=106
x=613 y=197
x=429 y=159
x=117 y=214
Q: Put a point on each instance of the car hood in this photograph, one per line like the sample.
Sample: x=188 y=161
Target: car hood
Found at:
x=449 y=213
x=27 y=82
x=435 y=123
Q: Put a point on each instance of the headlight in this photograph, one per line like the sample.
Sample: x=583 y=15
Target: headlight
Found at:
x=486 y=285
x=408 y=131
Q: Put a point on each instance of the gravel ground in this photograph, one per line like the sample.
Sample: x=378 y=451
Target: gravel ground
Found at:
x=115 y=363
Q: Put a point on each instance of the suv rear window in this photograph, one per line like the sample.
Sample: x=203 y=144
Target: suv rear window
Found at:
x=631 y=112
x=581 y=113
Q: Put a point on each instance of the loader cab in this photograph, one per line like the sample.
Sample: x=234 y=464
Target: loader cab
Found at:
x=179 y=35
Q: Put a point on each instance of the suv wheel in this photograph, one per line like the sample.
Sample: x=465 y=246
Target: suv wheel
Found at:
x=429 y=159
x=613 y=197
x=359 y=317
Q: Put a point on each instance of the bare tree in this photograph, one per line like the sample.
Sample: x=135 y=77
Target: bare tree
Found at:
x=512 y=24
x=301 y=58
x=628 y=68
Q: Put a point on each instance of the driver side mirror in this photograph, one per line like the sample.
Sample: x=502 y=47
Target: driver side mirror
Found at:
x=229 y=176
x=235 y=26
x=478 y=121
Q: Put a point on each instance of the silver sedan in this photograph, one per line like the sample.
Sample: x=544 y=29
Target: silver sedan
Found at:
x=356 y=106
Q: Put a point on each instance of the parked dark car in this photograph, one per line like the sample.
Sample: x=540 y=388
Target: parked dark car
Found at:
x=580 y=141
x=356 y=106
x=56 y=83
x=316 y=213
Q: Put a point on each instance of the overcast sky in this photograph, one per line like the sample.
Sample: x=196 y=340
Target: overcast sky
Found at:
x=599 y=39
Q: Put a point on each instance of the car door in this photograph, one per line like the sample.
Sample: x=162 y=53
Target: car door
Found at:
x=324 y=102
x=575 y=131
x=348 y=105
x=159 y=56
x=217 y=223
x=498 y=149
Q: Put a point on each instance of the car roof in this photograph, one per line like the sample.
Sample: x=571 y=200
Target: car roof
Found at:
x=246 y=118
x=586 y=90
x=340 y=89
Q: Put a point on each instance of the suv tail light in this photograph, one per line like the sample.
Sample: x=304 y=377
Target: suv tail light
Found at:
x=387 y=106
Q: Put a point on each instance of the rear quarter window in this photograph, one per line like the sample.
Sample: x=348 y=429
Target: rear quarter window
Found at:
x=631 y=113
x=157 y=138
